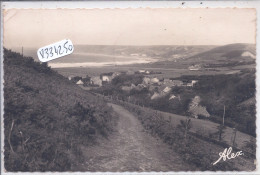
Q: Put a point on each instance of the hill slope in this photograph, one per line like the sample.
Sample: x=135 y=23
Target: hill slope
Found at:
x=231 y=52
x=47 y=118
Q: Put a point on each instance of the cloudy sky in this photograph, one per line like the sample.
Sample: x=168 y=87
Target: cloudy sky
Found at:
x=37 y=28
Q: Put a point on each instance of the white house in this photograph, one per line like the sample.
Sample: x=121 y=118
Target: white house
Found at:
x=106 y=78
x=80 y=82
x=172 y=97
x=167 y=90
x=195 y=67
x=193 y=82
x=155 y=80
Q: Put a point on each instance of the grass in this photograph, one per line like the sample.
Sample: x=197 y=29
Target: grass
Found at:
x=47 y=118
x=196 y=149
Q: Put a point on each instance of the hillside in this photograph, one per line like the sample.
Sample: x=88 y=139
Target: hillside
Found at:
x=215 y=57
x=47 y=118
x=232 y=53
x=165 y=52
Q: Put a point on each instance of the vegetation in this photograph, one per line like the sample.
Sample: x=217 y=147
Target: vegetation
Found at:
x=215 y=91
x=47 y=118
x=200 y=153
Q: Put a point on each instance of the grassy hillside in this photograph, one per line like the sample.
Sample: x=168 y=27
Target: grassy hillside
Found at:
x=47 y=118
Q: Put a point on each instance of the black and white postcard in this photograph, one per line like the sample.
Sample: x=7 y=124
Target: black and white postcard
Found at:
x=129 y=90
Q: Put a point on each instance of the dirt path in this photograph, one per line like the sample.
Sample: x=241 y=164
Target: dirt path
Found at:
x=130 y=148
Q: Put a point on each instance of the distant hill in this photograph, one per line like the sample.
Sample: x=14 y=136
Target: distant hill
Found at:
x=46 y=117
x=165 y=52
x=231 y=52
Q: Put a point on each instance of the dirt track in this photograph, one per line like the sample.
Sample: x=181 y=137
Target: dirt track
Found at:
x=130 y=148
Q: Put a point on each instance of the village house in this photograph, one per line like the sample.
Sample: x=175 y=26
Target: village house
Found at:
x=96 y=81
x=106 y=78
x=80 y=82
x=172 y=97
x=172 y=83
x=155 y=80
x=144 y=72
x=191 y=83
x=195 y=67
x=146 y=80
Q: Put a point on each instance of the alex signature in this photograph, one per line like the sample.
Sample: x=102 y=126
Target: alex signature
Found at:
x=226 y=154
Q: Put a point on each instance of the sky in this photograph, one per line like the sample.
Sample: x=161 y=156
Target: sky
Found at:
x=37 y=28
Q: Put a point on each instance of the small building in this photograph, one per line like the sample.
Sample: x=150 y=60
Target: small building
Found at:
x=96 y=81
x=193 y=82
x=167 y=90
x=195 y=67
x=106 y=78
x=172 y=97
x=155 y=80
x=80 y=82
x=146 y=80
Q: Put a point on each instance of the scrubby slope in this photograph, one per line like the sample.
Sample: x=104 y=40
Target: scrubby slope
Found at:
x=46 y=117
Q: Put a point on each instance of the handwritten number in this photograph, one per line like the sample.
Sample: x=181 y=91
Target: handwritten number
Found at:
x=46 y=51
x=60 y=50
x=56 y=50
x=42 y=53
x=70 y=47
x=65 y=46
x=51 y=52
